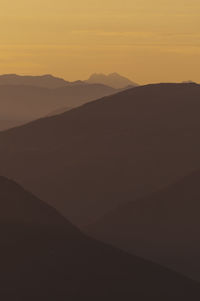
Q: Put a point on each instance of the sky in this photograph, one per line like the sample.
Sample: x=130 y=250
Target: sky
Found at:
x=147 y=41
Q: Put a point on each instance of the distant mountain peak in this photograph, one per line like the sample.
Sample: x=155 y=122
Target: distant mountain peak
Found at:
x=115 y=74
x=190 y=82
x=115 y=80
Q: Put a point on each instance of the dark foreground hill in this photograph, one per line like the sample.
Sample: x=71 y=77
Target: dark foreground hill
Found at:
x=43 y=257
x=23 y=103
x=163 y=227
x=88 y=160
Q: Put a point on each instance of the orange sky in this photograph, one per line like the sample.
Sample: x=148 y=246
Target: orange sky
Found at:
x=148 y=41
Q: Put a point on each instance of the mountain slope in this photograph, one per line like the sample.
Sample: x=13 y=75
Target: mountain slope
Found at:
x=43 y=257
x=163 y=227
x=113 y=80
x=28 y=103
x=8 y=124
x=107 y=152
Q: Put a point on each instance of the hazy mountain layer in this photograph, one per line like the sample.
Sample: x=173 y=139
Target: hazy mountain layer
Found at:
x=45 y=81
x=20 y=104
x=89 y=160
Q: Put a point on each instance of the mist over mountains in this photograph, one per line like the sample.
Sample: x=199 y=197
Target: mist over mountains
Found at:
x=116 y=164
x=26 y=98
x=115 y=149
x=27 y=102
x=99 y=150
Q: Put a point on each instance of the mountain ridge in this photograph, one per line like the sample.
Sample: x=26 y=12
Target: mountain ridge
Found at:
x=20 y=104
x=45 y=81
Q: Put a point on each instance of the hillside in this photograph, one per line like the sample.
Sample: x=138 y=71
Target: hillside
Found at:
x=163 y=227
x=8 y=124
x=89 y=160
x=23 y=103
x=43 y=257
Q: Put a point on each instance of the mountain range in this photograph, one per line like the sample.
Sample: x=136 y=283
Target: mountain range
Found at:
x=26 y=98
x=44 y=257
x=45 y=81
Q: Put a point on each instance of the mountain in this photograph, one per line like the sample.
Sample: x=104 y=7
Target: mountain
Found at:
x=7 y=124
x=117 y=149
x=44 y=257
x=20 y=104
x=45 y=81
x=163 y=227
x=59 y=111
x=113 y=80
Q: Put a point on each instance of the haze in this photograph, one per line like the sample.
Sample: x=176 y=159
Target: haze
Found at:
x=148 y=41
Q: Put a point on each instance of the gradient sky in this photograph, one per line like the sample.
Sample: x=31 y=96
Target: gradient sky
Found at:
x=148 y=41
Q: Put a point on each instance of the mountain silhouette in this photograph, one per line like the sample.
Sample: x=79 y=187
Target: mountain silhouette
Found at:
x=45 y=81
x=113 y=80
x=20 y=104
x=163 y=227
x=44 y=257
x=117 y=149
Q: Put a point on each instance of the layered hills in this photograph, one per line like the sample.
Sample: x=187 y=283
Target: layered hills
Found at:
x=44 y=257
x=117 y=149
x=22 y=103
x=163 y=227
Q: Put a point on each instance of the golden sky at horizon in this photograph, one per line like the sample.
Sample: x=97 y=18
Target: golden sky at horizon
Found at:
x=148 y=41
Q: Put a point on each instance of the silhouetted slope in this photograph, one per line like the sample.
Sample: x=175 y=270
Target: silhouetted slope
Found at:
x=20 y=208
x=59 y=111
x=111 y=151
x=43 y=257
x=114 y=80
x=29 y=103
x=7 y=124
x=163 y=226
